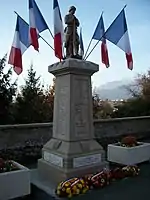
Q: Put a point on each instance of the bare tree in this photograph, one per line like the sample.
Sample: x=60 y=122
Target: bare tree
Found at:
x=141 y=86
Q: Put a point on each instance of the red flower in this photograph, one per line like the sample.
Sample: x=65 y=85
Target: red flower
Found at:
x=129 y=141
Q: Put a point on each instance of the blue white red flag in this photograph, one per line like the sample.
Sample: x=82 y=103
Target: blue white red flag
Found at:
x=58 y=31
x=81 y=44
x=98 y=35
x=37 y=24
x=117 y=33
x=20 y=45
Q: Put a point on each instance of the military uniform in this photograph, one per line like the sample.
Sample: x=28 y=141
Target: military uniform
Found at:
x=71 y=35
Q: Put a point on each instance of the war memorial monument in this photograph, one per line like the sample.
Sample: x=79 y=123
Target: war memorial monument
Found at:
x=72 y=150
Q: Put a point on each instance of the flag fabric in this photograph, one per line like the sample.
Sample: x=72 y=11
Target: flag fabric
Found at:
x=99 y=31
x=37 y=24
x=117 y=33
x=98 y=35
x=20 y=45
x=58 y=30
x=33 y=33
x=81 y=44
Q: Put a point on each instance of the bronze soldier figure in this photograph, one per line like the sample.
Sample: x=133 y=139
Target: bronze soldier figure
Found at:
x=71 y=34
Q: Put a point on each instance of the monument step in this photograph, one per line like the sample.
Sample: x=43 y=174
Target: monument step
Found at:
x=45 y=185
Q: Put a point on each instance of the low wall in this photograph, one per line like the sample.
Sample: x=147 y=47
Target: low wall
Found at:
x=106 y=131
x=111 y=130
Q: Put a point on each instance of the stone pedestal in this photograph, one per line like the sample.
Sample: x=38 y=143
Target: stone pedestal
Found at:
x=72 y=151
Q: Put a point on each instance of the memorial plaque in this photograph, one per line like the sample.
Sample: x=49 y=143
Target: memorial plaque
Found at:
x=54 y=159
x=86 y=160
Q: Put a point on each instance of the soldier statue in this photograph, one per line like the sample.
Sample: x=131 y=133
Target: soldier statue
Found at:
x=71 y=35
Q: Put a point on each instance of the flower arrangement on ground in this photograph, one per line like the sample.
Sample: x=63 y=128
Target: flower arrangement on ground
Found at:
x=130 y=171
x=99 y=180
x=76 y=186
x=7 y=166
x=72 y=187
x=124 y=172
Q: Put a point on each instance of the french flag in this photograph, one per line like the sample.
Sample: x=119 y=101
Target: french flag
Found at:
x=37 y=24
x=58 y=31
x=98 y=35
x=20 y=45
x=33 y=33
x=117 y=33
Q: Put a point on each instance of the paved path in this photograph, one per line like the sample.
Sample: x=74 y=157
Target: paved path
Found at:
x=137 y=188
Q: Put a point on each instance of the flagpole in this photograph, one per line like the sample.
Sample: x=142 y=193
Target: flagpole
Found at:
x=88 y=48
x=90 y=43
x=51 y=33
x=39 y=34
x=104 y=34
x=46 y=42
x=92 y=49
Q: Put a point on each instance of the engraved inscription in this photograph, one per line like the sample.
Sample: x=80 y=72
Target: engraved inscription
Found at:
x=54 y=159
x=81 y=88
x=85 y=91
x=86 y=160
x=81 y=106
x=62 y=110
x=80 y=121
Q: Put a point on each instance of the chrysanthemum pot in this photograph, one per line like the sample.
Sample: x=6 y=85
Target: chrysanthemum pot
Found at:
x=128 y=155
x=15 y=184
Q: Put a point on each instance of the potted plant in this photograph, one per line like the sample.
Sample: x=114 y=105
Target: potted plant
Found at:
x=14 y=180
x=128 y=151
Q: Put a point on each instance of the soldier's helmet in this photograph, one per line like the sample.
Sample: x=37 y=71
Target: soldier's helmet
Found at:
x=72 y=8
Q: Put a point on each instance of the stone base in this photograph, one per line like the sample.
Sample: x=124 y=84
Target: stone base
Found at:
x=45 y=185
x=55 y=174
x=73 y=149
x=64 y=159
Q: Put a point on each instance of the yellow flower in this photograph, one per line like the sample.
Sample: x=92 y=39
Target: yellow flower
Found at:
x=66 y=184
x=59 y=187
x=58 y=192
x=74 y=188
x=84 y=190
x=68 y=190
x=82 y=181
x=87 y=187
x=80 y=185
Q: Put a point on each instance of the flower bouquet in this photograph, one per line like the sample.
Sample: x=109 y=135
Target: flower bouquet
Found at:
x=117 y=174
x=72 y=187
x=7 y=166
x=124 y=172
x=99 y=180
x=130 y=171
